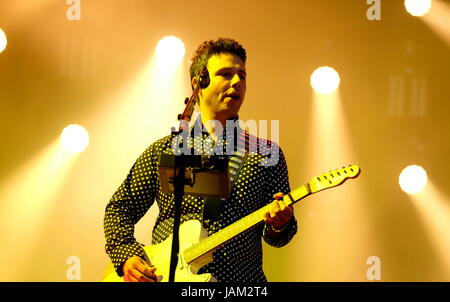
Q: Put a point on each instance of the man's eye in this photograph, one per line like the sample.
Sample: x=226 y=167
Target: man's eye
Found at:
x=226 y=74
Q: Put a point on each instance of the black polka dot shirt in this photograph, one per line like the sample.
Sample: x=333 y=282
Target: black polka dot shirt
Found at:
x=240 y=259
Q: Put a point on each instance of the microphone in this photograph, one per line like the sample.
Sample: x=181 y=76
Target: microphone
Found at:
x=203 y=82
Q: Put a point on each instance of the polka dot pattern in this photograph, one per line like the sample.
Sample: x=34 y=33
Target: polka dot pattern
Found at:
x=239 y=260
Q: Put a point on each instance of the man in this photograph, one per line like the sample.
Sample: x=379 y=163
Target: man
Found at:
x=253 y=187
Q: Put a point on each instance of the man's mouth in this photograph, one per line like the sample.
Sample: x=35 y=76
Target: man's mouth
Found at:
x=233 y=96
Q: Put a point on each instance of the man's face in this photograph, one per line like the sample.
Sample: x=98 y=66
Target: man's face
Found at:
x=226 y=91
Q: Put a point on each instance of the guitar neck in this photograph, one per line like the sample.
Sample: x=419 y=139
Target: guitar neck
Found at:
x=217 y=239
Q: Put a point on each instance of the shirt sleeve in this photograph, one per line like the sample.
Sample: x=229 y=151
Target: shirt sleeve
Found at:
x=127 y=206
x=278 y=181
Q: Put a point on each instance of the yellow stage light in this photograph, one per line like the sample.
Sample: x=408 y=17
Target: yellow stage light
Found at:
x=325 y=80
x=170 y=51
x=3 y=40
x=413 y=179
x=75 y=138
x=417 y=7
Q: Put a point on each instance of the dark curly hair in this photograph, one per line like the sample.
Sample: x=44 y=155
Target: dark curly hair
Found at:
x=213 y=47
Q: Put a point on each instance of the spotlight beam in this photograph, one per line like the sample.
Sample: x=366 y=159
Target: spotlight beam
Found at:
x=27 y=198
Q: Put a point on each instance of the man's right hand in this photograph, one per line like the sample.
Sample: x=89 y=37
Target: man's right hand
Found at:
x=135 y=269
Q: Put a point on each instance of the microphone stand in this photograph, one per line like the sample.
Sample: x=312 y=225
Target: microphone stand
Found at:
x=179 y=180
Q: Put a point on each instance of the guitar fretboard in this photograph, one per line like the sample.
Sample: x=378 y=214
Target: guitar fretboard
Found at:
x=217 y=239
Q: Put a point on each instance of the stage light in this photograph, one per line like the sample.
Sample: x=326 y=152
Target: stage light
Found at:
x=3 y=40
x=325 y=80
x=413 y=179
x=170 y=51
x=417 y=8
x=75 y=138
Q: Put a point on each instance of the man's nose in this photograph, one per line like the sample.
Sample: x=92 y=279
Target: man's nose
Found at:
x=236 y=80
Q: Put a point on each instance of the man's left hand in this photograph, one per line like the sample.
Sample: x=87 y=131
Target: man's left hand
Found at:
x=279 y=214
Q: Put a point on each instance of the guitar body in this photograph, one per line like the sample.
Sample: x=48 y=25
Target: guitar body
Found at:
x=191 y=232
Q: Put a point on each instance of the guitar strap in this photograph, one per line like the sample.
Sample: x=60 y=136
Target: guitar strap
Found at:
x=213 y=206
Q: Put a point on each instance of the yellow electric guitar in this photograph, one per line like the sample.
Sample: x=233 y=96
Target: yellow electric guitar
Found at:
x=196 y=247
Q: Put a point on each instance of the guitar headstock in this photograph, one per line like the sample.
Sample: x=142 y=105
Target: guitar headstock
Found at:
x=333 y=178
